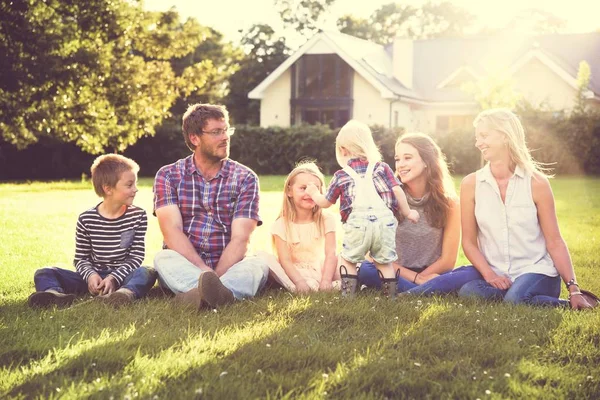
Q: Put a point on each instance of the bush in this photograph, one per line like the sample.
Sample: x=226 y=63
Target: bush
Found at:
x=276 y=150
x=570 y=143
x=460 y=151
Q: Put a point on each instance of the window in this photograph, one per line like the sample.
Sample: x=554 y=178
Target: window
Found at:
x=442 y=123
x=321 y=90
x=451 y=123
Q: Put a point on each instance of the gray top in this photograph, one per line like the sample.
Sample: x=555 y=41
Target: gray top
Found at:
x=418 y=245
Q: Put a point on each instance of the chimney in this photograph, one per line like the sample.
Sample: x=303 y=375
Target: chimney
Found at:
x=402 y=61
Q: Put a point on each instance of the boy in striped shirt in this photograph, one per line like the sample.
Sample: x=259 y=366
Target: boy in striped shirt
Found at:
x=109 y=247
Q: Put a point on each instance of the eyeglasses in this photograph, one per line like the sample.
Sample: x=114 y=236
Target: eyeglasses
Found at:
x=219 y=132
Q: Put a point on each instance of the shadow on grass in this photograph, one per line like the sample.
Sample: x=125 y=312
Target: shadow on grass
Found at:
x=91 y=341
x=327 y=351
x=291 y=361
x=304 y=347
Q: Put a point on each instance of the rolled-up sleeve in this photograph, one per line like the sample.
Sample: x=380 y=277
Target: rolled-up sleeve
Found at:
x=165 y=189
x=247 y=205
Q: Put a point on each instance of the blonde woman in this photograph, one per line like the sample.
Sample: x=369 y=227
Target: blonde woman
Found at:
x=509 y=226
x=303 y=236
x=369 y=196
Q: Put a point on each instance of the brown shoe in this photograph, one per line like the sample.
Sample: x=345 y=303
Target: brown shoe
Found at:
x=212 y=291
x=49 y=299
x=117 y=299
x=189 y=298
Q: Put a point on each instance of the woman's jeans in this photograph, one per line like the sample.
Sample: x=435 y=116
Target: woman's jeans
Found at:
x=140 y=281
x=448 y=282
x=535 y=289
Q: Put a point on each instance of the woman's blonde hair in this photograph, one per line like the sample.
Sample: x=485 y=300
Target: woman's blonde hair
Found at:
x=439 y=186
x=505 y=121
x=288 y=208
x=358 y=141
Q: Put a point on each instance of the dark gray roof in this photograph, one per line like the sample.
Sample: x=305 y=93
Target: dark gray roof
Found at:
x=436 y=59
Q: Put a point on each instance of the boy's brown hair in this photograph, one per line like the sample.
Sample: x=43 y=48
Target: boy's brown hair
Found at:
x=107 y=169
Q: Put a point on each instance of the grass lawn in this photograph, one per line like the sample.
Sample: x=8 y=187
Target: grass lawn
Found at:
x=278 y=345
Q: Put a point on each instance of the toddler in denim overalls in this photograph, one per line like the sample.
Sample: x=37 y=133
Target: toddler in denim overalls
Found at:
x=367 y=189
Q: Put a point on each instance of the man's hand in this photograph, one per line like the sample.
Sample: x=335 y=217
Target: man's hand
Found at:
x=94 y=282
x=108 y=285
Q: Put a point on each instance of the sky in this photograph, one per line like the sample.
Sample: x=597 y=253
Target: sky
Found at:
x=229 y=16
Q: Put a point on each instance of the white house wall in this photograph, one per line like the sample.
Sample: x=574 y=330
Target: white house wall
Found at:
x=540 y=85
x=407 y=118
x=275 y=105
x=369 y=107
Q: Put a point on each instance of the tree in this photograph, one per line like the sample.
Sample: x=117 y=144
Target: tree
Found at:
x=403 y=20
x=493 y=91
x=536 y=21
x=303 y=16
x=264 y=52
x=584 y=74
x=95 y=73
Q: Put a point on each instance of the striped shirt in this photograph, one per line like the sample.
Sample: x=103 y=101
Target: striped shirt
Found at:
x=115 y=245
x=208 y=207
x=342 y=186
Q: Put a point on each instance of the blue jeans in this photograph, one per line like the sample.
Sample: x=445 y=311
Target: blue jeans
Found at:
x=534 y=289
x=177 y=274
x=140 y=281
x=448 y=282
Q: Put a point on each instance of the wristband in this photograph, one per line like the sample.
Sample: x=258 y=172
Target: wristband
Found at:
x=574 y=294
x=571 y=283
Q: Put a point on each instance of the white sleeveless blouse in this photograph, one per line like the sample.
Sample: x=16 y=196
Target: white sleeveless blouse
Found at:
x=509 y=233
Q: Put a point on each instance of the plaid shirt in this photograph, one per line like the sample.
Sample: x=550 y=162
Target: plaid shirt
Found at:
x=208 y=207
x=342 y=185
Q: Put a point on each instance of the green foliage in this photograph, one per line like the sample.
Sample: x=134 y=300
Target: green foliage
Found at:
x=302 y=15
x=276 y=150
x=279 y=345
x=95 y=73
x=493 y=91
x=584 y=74
x=460 y=151
x=264 y=52
x=403 y=20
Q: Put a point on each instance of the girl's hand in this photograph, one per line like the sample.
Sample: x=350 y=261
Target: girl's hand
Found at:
x=501 y=282
x=302 y=287
x=421 y=279
x=325 y=285
x=413 y=216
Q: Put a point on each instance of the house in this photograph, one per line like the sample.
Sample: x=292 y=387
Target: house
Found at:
x=420 y=84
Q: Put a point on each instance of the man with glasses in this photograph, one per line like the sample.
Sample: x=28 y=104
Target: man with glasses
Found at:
x=207 y=208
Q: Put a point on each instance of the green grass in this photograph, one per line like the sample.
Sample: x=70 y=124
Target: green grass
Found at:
x=278 y=345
